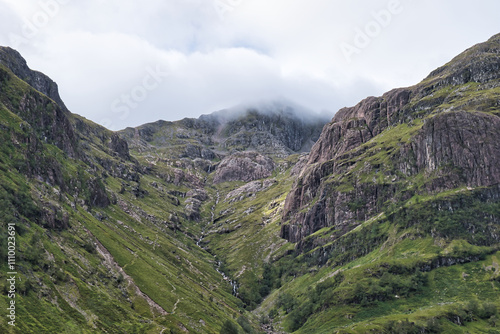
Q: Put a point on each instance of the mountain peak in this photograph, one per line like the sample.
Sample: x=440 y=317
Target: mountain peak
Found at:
x=270 y=107
x=13 y=60
x=480 y=63
x=271 y=127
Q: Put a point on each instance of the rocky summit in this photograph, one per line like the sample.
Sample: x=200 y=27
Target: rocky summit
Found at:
x=261 y=218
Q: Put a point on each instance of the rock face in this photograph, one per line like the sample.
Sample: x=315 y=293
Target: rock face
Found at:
x=42 y=83
x=437 y=136
x=119 y=146
x=349 y=129
x=244 y=166
x=271 y=128
x=34 y=98
x=49 y=120
x=98 y=195
x=354 y=126
x=468 y=143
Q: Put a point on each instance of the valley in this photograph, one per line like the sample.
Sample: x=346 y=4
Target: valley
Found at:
x=257 y=218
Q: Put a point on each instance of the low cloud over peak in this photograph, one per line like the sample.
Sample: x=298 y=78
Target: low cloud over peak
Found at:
x=124 y=63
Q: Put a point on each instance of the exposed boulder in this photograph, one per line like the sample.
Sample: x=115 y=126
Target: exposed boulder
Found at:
x=199 y=194
x=98 y=195
x=119 y=146
x=54 y=217
x=244 y=166
x=193 y=207
x=250 y=188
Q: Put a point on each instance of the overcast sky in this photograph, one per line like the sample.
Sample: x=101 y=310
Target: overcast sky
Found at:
x=124 y=63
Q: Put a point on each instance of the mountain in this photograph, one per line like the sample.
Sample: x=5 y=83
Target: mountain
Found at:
x=110 y=227
x=396 y=210
x=100 y=245
x=435 y=137
x=257 y=218
x=273 y=128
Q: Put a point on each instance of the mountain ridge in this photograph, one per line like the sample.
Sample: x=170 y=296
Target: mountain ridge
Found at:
x=287 y=129
x=454 y=128
x=220 y=224
x=17 y=64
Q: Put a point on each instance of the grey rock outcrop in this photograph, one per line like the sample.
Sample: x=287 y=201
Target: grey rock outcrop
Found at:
x=244 y=166
x=272 y=129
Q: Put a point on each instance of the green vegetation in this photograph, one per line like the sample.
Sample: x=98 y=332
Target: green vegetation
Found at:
x=69 y=213
x=383 y=274
x=229 y=327
x=147 y=243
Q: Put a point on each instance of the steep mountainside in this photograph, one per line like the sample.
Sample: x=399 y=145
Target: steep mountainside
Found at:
x=434 y=137
x=397 y=210
x=101 y=244
x=232 y=223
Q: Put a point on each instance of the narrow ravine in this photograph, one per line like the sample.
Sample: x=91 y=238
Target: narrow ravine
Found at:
x=212 y=217
x=234 y=284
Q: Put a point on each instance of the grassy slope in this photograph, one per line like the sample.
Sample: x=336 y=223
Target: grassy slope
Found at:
x=255 y=224
x=65 y=284
x=388 y=273
x=349 y=293
x=67 y=287
x=247 y=240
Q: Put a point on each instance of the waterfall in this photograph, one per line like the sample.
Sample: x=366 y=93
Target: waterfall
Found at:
x=234 y=284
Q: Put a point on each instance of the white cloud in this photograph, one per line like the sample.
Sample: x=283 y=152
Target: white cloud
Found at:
x=99 y=51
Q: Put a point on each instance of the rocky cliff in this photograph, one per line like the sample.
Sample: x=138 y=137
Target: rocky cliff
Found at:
x=272 y=128
x=393 y=217
x=34 y=98
x=42 y=83
x=440 y=135
x=38 y=107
